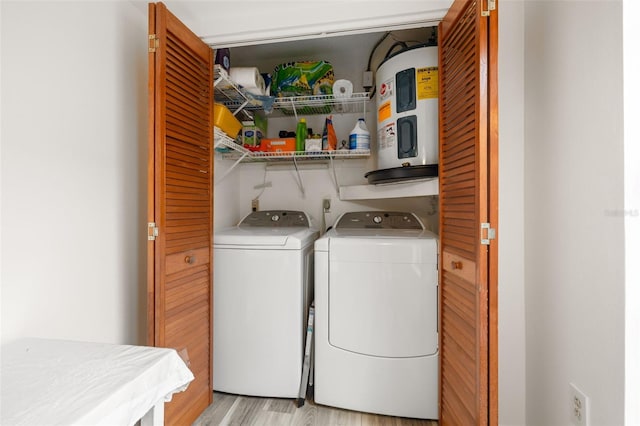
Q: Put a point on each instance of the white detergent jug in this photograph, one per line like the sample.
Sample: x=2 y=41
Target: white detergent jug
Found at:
x=359 y=137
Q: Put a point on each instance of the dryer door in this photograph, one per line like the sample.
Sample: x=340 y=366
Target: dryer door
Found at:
x=383 y=296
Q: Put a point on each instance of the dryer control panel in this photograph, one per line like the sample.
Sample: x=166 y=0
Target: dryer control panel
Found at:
x=276 y=219
x=379 y=220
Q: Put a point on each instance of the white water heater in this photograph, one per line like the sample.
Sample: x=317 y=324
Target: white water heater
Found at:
x=407 y=122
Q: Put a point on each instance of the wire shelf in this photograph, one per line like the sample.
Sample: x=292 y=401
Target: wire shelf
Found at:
x=321 y=104
x=260 y=156
x=233 y=97
x=236 y=151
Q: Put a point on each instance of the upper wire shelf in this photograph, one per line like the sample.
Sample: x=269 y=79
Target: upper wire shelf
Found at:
x=321 y=104
x=236 y=99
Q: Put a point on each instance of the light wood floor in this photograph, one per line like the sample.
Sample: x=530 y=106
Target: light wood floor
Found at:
x=230 y=409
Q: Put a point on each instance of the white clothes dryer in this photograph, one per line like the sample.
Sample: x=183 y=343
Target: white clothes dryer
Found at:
x=263 y=270
x=376 y=310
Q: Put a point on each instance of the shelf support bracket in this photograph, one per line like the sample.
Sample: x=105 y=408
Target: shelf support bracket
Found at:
x=224 y=175
x=300 y=183
x=241 y=107
x=295 y=111
x=335 y=176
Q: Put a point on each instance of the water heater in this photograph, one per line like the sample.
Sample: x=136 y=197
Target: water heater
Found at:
x=407 y=121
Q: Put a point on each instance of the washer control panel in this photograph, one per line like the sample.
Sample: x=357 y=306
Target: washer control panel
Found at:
x=379 y=220
x=276 y=218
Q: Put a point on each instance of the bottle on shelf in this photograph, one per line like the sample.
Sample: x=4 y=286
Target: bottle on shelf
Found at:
x=329 y=139
x=359 y=137
x=301 y=134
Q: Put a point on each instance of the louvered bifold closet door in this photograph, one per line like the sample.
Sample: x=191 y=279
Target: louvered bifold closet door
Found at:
x=183 y=207
x=466 y=164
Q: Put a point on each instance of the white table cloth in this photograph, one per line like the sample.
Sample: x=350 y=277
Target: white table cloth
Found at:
x=55 y=382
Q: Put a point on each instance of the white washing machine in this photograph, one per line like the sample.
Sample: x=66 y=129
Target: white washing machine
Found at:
x=376 y=310
x=262 y=291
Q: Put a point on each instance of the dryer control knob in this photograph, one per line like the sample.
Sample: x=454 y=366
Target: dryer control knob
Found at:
x=275 y=218
x=377 y=219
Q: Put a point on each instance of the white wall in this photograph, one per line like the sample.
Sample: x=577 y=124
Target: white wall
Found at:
x=226 y=203
x=73 y=170
x=318 y=185
x=511 y=320
x=574 y=234
x=1 y=184
x=631 y=212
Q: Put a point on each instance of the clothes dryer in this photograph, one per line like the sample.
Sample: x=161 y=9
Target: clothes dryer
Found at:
x=376 y=309
x=262 y=291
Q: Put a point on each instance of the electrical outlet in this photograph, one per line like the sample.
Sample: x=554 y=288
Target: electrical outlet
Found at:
x=367 y=79
x=255 y=205
x=579 y=407
x=326 y=205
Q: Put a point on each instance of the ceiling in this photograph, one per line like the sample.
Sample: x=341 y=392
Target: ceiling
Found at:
x=226 y=23
x=323 y=47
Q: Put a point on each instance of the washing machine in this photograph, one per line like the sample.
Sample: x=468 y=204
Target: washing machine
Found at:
x=376 y=310
x=263 y=270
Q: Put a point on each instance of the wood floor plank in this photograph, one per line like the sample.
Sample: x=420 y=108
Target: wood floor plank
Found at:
x=214 y=414
x=304 y=416
x=234 y=410
x=280 y=405
x=338 y=417
x=274 y=418
x=247 y=412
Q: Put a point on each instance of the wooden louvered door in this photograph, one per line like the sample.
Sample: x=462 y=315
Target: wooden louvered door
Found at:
x=181 y=204
x=468 y=198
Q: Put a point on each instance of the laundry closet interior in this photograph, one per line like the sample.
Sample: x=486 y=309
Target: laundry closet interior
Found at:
x=310 y=182
x=326 y=184
x=385 y=300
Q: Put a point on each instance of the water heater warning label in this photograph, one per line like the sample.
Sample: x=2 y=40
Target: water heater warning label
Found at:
x=427 y=80
x=387 y=136
x=384 y=111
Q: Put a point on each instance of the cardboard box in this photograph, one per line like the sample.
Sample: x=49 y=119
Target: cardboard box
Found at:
x=251 y=134
x=278 y=145
x=313 y=145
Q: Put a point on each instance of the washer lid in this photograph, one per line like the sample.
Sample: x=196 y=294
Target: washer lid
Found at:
x=278 y=229
x=378 y=220
x=289 y=238
x=382 y=233
x=375 y=224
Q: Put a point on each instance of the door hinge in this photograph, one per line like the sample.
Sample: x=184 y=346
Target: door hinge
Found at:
x=152 y=231
x=491 y=5
x=154 y=43
x=486 y=237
